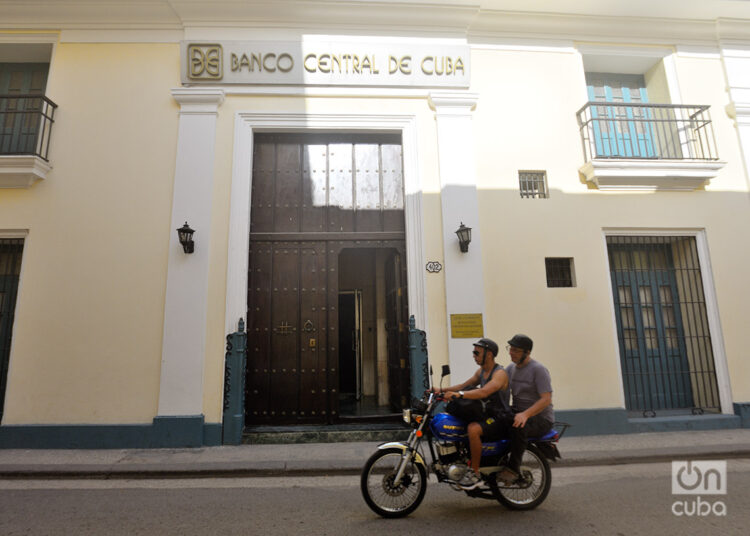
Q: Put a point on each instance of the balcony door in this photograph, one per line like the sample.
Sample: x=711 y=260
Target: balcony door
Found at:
x=624 y=131
x=19 y=113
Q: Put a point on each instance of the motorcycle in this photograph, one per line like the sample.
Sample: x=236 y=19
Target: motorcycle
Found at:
x=394 y=478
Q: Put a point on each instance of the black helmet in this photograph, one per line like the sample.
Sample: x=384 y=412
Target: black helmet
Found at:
x=521 y=341
x=489 y=344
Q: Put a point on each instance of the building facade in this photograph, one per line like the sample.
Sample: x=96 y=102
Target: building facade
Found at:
x=325 y=155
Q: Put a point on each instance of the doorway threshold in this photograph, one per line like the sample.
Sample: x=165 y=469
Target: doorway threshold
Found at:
x=332 y=433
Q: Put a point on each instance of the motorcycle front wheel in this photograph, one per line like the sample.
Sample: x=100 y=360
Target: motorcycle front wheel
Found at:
x=531 y=490
x=382 y=494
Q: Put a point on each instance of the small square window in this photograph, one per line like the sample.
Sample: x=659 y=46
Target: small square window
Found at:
x=560 y=272
x=533 y=184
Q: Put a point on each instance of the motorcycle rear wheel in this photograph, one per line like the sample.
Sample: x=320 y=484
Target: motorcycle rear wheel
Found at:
x=534 y=487
x=379 y=491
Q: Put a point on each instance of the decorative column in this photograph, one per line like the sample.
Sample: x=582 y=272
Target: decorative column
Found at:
x=464 y=280
x=736 y=59
x=180 y=418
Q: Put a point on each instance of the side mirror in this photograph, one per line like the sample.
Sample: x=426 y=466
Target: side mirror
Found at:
x=446 y=371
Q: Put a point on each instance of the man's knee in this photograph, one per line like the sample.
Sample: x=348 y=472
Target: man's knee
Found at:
x=475 y=429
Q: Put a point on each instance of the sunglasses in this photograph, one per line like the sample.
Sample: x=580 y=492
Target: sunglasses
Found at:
x=475 y=352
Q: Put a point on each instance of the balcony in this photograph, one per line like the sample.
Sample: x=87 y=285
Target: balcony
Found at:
x=647 y=146
x=25 y=131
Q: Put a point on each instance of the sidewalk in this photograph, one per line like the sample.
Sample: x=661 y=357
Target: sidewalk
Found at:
x=343 y=458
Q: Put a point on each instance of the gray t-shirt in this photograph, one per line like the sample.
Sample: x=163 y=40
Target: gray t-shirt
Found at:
x=526 y=384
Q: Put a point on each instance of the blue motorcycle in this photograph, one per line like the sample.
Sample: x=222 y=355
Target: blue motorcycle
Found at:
x=394 y=479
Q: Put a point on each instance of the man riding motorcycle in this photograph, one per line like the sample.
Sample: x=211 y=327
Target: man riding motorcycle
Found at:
x=490 y=385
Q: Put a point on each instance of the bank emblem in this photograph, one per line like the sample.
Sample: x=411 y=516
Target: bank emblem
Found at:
x=205 y=62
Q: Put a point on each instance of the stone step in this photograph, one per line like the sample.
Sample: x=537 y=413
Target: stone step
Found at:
x=258 y=435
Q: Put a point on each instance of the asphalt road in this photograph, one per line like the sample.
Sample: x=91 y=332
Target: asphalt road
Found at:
x=615 y=500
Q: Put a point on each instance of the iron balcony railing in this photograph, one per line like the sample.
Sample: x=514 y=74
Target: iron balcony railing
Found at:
x=652 y=131
x=26 y=125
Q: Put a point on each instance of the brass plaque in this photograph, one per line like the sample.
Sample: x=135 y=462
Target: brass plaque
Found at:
x=467 y=326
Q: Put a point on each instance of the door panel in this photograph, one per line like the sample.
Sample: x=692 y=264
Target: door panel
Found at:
x=20 y=117
x=396 y=332
x=653 y=354
x=11 y=250
x=287 y=339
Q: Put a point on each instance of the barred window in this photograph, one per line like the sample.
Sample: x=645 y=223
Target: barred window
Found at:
x=533 y=184
x=10 y=269
x=560 y=272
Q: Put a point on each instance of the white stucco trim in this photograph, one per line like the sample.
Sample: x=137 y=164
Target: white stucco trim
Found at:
x=246 y=124
x=464 y=279
x=712 y=308
x=650 y=175
x=22 y=171
x=185 y=309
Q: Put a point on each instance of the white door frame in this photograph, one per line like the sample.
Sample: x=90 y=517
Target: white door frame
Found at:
x=712 y=308
x=247 y=124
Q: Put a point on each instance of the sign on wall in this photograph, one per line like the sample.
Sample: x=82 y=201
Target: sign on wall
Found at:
x=467 y=326
x=329 y=63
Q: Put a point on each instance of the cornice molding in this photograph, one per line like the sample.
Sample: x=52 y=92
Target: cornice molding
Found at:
x=459 y=18
x=22 y=171
x=650 y=175
x=453 y=102
x=198 y=100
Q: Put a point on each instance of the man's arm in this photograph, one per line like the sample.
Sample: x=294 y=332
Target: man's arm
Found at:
x=471 y=382
x=498 y=381
x=545 y=399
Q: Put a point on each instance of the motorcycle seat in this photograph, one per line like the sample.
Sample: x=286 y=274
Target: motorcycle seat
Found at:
x=552 y=435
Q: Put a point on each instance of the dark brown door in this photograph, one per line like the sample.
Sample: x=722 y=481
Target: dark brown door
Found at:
x=397 y=334
x=288 y=336
x=311 y=197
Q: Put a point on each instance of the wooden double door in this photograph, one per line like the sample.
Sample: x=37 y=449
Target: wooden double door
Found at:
x=299 y=227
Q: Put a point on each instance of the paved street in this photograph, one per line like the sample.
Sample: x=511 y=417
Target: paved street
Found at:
x=613 y=500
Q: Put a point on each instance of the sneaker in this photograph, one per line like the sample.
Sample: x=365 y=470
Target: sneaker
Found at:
x=507 y=476
x=470 y=480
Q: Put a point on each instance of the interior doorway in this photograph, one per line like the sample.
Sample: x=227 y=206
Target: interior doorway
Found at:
x=350 y=344
x=373 y=356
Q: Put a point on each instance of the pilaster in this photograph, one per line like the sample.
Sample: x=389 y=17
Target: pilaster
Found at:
x=464 y=280
x=184 y=343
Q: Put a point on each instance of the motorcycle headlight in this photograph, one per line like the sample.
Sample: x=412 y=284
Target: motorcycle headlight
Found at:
x=407 y=416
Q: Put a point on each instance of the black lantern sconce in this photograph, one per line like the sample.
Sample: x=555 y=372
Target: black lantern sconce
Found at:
x=186 y=238
x=464 y=237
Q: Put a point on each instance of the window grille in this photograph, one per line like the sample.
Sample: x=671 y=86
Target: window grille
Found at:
x=533 y=184
x=10 y=268
x=663 y=334
x=559 y=272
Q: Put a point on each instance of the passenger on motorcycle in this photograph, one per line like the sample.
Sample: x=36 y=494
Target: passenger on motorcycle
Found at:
x=531 y=387
x=491 y=384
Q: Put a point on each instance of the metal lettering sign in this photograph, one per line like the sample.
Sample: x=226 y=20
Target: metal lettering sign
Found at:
x=326 y=63
x=467 y=326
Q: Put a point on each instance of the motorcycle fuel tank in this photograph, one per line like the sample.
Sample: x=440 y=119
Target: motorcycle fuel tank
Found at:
x=446 y=427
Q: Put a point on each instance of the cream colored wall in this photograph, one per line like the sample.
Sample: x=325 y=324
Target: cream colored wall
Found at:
x=88 y=324
x=656 y=84
x=87 y=339
x=525 y=119
x=728 y=207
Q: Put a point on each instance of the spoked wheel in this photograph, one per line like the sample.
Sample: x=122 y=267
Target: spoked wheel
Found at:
x=382 y=494
x=533 y=486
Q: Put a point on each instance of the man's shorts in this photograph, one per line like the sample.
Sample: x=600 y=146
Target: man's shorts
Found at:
x=494 y=429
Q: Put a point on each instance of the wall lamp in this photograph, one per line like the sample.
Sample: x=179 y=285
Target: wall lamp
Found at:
x=186 y=238
x=464 y=237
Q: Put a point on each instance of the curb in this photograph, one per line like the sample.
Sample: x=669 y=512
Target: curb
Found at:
x=286 y=469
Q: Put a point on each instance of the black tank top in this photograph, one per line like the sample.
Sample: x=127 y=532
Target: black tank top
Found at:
x=499 y=400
